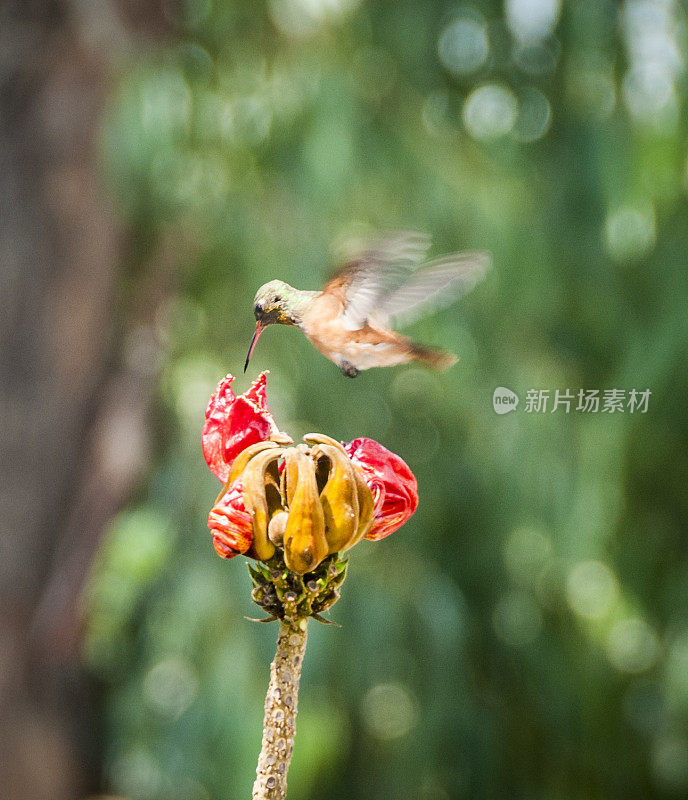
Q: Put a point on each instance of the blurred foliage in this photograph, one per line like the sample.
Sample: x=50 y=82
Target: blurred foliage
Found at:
x=525 y=635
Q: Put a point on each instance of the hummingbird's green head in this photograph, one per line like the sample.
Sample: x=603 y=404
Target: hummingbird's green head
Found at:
x=275 y=303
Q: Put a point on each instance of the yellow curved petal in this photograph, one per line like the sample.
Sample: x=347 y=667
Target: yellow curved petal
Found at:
x=253 y=479
x=321 y=438
x=305 y=545
x=290 y=475
x=366 y=506
x=339 y=498
x=241 y=461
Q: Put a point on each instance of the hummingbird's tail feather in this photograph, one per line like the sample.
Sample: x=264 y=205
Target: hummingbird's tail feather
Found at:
x=433 y=357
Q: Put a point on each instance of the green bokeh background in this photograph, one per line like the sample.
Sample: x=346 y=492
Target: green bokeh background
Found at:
x=525 y=635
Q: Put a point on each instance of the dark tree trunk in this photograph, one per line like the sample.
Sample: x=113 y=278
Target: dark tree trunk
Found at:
x=73 y=433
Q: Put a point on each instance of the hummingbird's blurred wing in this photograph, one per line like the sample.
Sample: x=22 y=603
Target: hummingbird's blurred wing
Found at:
x=374 y=271
x=436 y=285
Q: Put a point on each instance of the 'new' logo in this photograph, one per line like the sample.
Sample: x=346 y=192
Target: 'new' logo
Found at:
x=504 y=400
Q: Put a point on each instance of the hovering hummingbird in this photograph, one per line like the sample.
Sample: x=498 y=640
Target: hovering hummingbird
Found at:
x=384 y=284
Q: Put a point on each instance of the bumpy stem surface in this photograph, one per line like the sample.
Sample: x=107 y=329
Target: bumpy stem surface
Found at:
x=280 y=713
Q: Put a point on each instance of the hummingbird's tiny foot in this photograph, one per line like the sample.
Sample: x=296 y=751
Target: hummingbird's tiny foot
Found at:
x=348 y=369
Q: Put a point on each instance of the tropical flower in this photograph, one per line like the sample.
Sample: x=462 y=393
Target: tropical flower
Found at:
x=303 y=503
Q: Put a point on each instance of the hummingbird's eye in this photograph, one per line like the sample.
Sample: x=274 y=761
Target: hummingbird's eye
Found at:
x=277 y=298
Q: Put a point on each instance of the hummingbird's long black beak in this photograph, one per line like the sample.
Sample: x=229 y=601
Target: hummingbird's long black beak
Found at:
x=259 y=329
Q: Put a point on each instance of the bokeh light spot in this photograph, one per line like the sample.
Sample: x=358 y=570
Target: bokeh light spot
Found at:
x=591 y=589
x=630 y=231
x=591 y=89
x=389 y=711
x=463 y=45
x=432 y=789
x=670 y=761
x=139 y=544
x=171 y=687
x=136 y=774
x=656 y=57
x=632 y=645
x=302 y=18
x=532 y=19
x=490 y=112
x=251 y=119
x=165 y=105
x=190 y=382
x=525 y=552
x=649 y=94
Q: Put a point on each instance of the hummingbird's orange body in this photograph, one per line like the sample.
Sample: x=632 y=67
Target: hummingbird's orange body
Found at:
x=347 y=320
x=352 y=351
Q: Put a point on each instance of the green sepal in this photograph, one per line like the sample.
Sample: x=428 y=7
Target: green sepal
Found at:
x=291 y=596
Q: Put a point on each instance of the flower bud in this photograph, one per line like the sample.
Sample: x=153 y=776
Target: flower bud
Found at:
x=276 y=528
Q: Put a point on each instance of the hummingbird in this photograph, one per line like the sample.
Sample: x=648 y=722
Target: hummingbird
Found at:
x=385 y=283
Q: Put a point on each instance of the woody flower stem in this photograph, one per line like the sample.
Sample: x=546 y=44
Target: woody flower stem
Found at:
x=280 y=712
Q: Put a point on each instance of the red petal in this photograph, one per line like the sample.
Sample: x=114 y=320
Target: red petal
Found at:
x=233 y=423
x=392 y=483
x=256 y=392
x=230 y=522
